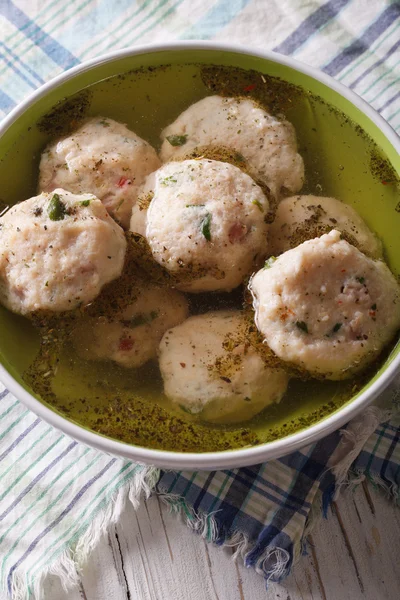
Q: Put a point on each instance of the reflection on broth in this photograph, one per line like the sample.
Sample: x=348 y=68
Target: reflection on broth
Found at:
x=67 y=356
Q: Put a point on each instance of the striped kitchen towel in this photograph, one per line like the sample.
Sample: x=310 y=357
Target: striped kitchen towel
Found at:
x=57 y=496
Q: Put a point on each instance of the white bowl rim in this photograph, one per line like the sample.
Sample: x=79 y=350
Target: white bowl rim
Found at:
x=240 y=457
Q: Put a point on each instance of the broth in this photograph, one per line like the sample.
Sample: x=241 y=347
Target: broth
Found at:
x=128 y=404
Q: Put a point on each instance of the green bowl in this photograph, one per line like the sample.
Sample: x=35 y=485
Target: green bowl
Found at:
x=378 y=204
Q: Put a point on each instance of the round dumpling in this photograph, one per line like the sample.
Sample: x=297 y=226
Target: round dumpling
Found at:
x=102 y=157
x=57 y=251
x=302 y=218
x=203 y=374
x=267 y=144
x=326 y=307
x=206 y=223
x=132 y=337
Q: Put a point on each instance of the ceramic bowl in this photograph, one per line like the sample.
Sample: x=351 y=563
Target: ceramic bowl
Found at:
x=337 y=97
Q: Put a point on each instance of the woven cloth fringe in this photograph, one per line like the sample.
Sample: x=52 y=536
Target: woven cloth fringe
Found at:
x=68 y=564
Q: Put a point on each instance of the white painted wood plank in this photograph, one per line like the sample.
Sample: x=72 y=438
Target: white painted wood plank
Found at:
x=152 y=555
x=357 y=550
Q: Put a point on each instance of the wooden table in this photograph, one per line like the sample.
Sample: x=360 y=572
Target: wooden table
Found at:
x=152 y=555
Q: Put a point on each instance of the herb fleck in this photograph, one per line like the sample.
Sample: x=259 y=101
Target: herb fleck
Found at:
x=258 y=204
x=205 y=227
x=360 y=279
x=302 y=325
x=168 y=180
x=85 y=202
x=177 y=140
x=37 y=211
x=373 y=307
x=104 y=123
x=56 y=208
x=269 y=262
x=194 y=205
x=336 y=327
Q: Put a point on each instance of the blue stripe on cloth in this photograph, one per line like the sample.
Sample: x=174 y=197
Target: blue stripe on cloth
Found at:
x=376 y=64
x=310 y=25
x=386 y=461
x=4 y=393
x=204 y=490
x=38 y=477
x=273 y=536
x=60 y=55
x=286 y=495
x=361 y=45
x=21 y=437
x=60 y=517
x=297 y=506
x=16 y=70
x=23 y=65
x=215 y=19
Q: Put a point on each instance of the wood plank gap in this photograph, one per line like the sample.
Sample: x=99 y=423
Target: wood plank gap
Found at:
x=348 y=545
x=148 y=514
x=150 y=577
x=317 y=569
x=240 y=585
x=112 y=551
x=356 y=509
x=368 y=496
x=165 y=530
x=210 y=569
x=128 y=594
x=144 y=567
x=82 y=591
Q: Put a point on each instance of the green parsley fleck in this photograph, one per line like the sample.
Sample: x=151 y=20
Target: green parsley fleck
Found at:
x=104 y=123
x=194 y=205
x=336 y=327
x=205 y=227
x=85 y=203
x=168 y=180
x=177 y=140
x=186 y=410
x=269 y=262
x=373 y=307
x=46 y=284
x=302 y=325
x=360 y=279
x=258 y=204
x=56 y=209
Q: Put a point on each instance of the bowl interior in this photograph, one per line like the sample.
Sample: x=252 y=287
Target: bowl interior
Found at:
x=348 y=157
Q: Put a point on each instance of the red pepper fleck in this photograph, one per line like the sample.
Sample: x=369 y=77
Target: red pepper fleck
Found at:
x=183 y=365
x=249 y=88
x=237 y=232
x=125 y=344
x=340 y=302
x=372 y=313
x=343 y=271
x=123 y=181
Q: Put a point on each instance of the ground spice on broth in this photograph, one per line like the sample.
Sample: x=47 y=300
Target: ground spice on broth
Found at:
x=128 y=404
